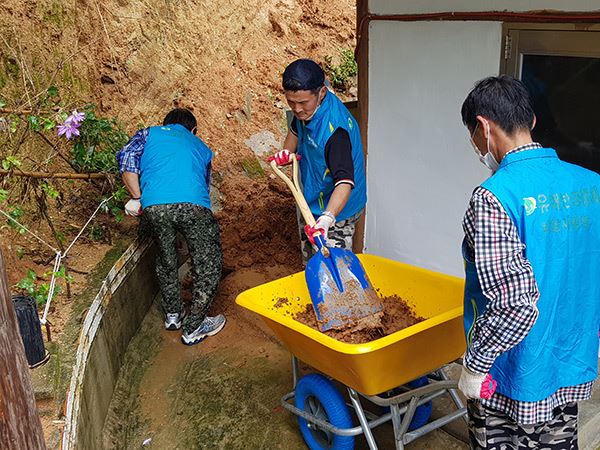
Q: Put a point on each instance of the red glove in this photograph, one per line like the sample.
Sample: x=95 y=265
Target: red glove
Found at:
x=324 y=222
x=282 y=157
x=311 y=231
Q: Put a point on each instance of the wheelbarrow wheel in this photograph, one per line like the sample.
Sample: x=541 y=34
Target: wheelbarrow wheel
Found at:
x=317 y=396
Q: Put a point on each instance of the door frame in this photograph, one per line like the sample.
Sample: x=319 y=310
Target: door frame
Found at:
x=546 y=39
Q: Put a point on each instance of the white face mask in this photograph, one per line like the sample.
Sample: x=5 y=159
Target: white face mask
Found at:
x=488 y=159
x=315 y=111
x=313 y=114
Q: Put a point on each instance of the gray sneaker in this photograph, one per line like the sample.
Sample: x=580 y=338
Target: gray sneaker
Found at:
x=173 y=321
x=209 y=327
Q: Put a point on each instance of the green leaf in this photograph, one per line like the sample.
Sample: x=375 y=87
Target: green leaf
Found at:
x=34 y=122
x=49 y=190
x=3 y=195
x=48 y=124
x=2 y=104
x=10 y=162
x=26 y=284
x=52 y=91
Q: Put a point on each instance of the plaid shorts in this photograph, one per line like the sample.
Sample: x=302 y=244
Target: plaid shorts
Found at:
x=490 y=429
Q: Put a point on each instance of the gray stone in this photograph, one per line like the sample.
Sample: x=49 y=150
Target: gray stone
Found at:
x=262 y=143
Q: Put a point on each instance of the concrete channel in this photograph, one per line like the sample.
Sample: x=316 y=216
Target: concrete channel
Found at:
x=111 y=322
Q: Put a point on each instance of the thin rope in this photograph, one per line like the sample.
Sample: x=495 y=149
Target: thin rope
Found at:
x=55 y=269
x=29 y=231
x=60 y=256
x=87 y=223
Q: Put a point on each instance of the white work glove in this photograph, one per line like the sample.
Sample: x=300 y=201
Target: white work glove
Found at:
x=475 y=385
x=322 y=225
x=325 y=221
x=133 y=207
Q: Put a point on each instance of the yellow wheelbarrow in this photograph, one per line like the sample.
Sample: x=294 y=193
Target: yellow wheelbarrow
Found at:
x=400 y=373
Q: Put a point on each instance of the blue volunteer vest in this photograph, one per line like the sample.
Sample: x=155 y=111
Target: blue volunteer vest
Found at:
x=317 y=182
x=174 y=167
x=556 y=209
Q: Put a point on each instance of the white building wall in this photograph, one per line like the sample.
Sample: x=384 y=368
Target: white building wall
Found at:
x=421 y=167
x=429 y=6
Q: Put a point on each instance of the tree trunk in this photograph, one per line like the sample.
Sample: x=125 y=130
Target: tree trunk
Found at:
x=20 y=426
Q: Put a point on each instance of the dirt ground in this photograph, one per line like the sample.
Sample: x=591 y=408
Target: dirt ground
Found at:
x=236 y=379
x=223 y=60
x=223 y=393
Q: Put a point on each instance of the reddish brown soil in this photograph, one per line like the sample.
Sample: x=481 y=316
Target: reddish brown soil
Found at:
x=258 y=224
x=397 y=315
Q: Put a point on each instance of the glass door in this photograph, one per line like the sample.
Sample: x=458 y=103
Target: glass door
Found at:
x=561 y=69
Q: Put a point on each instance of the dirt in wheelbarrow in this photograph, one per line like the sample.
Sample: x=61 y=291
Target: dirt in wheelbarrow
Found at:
x=397 y=315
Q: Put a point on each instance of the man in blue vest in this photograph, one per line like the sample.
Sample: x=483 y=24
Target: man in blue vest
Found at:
x=327 y=138
x=532 y=291
x=166 y=170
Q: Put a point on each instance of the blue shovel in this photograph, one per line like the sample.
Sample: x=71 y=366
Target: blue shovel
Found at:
x=341 y=293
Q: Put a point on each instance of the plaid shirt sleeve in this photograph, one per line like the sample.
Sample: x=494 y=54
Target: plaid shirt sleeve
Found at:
x=129 y=156
x=506 y=279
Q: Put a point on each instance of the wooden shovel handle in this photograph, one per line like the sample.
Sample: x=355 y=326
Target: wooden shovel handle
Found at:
x=296 y=191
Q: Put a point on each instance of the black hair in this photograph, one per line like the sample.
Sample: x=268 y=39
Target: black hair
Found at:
x=503 y=99
x=295 y=85
x=303 y=75
x=181 y=116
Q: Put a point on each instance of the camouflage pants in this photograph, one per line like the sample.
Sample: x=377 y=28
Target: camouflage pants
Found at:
x=201 y=232
x=492 y=430
x=340 y=235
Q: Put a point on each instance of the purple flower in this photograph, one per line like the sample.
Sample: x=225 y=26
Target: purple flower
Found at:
x=68 y=129
x=76 y=118
x=70 y=126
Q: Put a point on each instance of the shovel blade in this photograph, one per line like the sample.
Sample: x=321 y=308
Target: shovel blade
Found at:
x=340 y=290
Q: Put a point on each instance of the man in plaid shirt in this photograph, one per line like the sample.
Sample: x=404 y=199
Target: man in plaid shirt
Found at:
x=532 y=290
x=166 y=169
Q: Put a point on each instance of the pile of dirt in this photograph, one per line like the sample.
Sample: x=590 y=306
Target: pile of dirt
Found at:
x=397 y=315
x=258 y=224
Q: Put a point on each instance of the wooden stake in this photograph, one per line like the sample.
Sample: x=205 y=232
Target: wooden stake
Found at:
x=20 y=426
x=73 y=176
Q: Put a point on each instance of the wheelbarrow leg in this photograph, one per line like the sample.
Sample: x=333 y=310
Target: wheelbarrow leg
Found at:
x=295 y=371
x=401 y=424
x=362 y=418
x=453 y=393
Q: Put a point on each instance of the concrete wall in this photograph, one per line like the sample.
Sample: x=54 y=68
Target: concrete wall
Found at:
x=429 y=6
x=421 y=167
x=111 y=322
